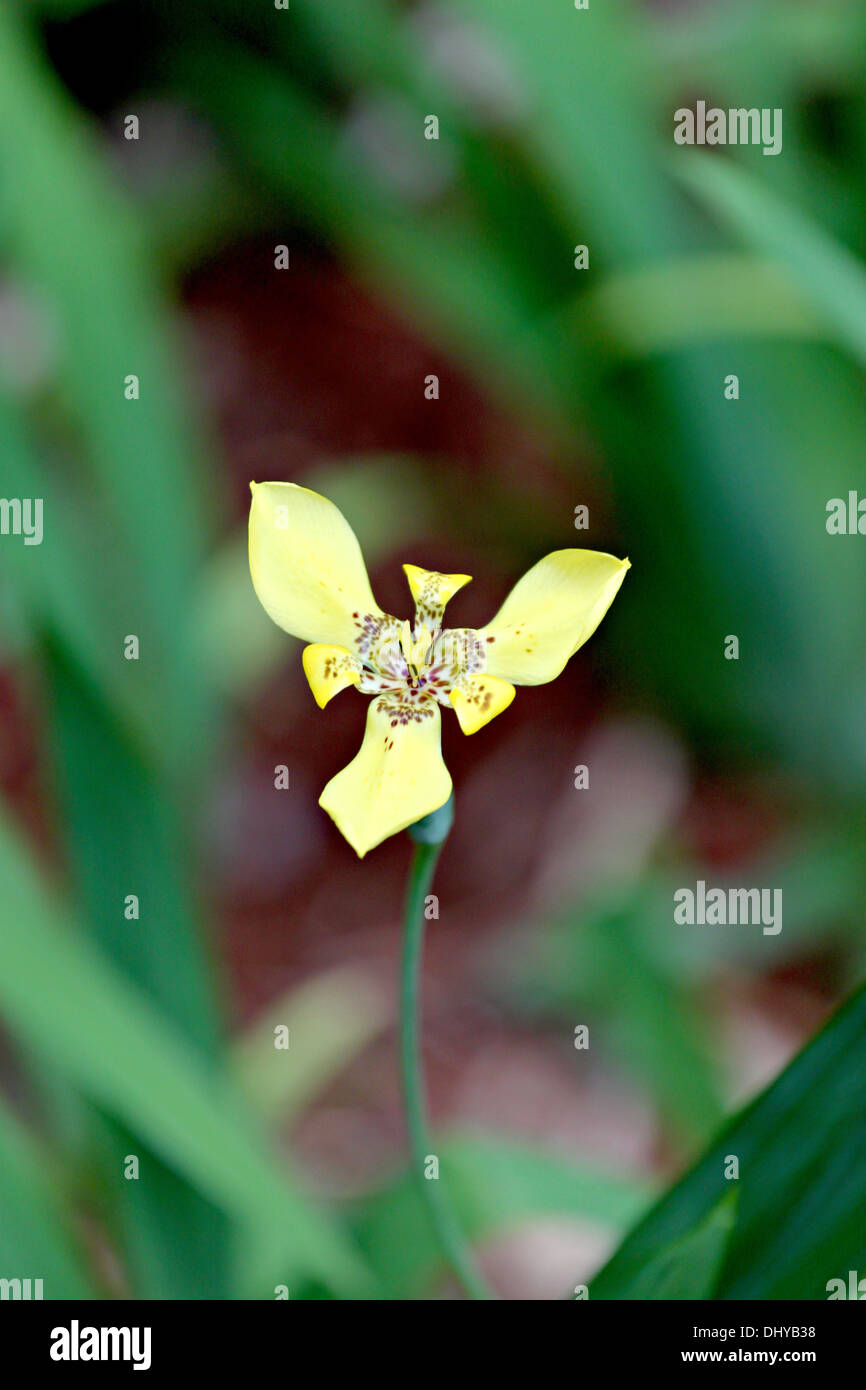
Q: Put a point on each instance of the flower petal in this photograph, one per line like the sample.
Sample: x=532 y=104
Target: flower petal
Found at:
x=431 y=591
x=478 y=699
x=306 y=565
x=549 y=613
x=329 y=670
x=397 y=777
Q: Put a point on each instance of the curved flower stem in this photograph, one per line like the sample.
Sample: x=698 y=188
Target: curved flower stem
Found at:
x=433 y=1196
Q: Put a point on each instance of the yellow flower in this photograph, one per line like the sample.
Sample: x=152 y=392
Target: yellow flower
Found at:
x=309 y=574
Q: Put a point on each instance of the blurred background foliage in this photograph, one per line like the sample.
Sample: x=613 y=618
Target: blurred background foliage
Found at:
x=559 y=387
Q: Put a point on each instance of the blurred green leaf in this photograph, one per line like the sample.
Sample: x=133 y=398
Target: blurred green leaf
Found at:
x=603 y=961
x=237 y=641
x=715 y=295
x=471 y=296
x=828 y=275
x=37 y=1239
x=126 y=835
x=330 y=1019
x=715 y=47
x=585 y=100
x=656 y=1031
x=820 y=873
x=801 y=1210
x=125 y=735
x=61 y=594
x=723 y=503
x=67 y=1003
x=495 y=1186
x=190 y=1261
x=141 y=455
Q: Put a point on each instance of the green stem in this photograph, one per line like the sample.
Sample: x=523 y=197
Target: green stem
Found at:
x=435 y=1199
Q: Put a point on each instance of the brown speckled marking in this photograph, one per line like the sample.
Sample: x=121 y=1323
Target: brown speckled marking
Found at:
x=402 y=712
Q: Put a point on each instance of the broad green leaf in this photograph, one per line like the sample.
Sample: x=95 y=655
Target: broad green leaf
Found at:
x=688 y=1268
x=801 y=1208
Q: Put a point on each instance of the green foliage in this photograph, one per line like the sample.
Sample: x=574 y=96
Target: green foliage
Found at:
x=496 y=1186
x=700 y=266
x=67 y=1003
x=688 y=1267
x=801 y=1190
x=36 y=1238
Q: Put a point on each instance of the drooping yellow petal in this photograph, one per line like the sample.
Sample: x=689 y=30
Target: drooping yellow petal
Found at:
x=549 y=613
x=306 y=565
x=478 y=699
x=329 y=670
x=431 y=591
x=397 y=777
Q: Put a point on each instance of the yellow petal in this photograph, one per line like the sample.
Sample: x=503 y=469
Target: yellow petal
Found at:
x=397 y=777
x=478 y=699
x=329 y=670
x=549 y=613
x=431 y=591
x=306 y=565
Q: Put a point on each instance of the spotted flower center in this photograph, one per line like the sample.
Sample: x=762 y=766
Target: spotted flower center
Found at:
x=416 y=651
x=414 y=664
